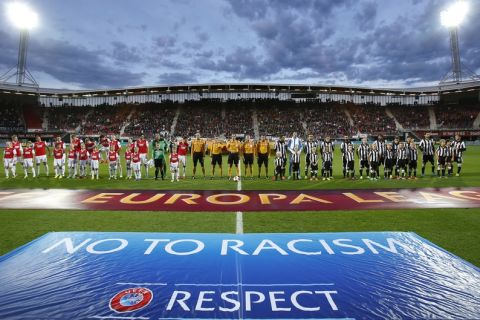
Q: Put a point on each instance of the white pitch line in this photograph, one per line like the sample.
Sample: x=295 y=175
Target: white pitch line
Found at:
x=239 y=215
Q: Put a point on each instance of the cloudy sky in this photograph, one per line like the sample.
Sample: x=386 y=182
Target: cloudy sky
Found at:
x=109 y=43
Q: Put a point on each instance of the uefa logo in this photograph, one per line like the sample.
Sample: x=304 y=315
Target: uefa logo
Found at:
x=129 y=300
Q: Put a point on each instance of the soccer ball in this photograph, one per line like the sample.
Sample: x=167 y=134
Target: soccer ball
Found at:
x=236 y=178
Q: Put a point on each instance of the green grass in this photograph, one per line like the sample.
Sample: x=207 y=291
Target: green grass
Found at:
x=457 y=230
x=469 y=177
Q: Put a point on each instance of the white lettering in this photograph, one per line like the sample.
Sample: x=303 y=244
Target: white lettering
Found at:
x=169 y=247
x=248 y=299
x=291 y=247
x=235 y=247
x=181 y=301
x=274 y=300
x=91 y=247
x=297 y=305
x=269 y=244
x=68 y=245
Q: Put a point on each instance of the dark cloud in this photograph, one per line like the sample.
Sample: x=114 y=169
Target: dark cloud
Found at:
x=125 y=54
x=177 y=78
x=296 y=35
x=365 y=17
x=76 y=65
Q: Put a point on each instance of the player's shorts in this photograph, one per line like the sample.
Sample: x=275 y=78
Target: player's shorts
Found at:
x=233 y=158
x=182 y=160
x=104 y=149
x=128 y=164
x=350 y=165
x=143 y=158
x=112 y=164
x=83 y=163
x=158 y=162
x=307 y=160
x=364 y=164
x=412 y=164
x=381 y=160
x=448 y=159
x=428 y=158
x=57 y=162
x=441 y=161
x=401 y=163
x=136 y=166
x=198 y=157
x=39 y=159
x=374 y=165
x=7 y=163
x=72 y=162
x=15 y=160
x=314 y=167
x=173 y=166
x=94 y=164
x=216 y=159
x=295 y=166
x=28 y=163
x=262 y=159
x=248 y=159
x=278 y=170
x=458 y=159
x=388 y=164
x=327 y=165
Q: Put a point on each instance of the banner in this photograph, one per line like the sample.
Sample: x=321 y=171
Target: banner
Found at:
x=232 y=201
x=393 y=275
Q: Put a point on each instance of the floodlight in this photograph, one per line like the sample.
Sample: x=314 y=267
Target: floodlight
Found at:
x=454 y=15
x=22 y=16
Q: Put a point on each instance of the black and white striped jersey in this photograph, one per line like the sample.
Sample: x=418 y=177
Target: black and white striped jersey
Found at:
x=327 y=156
x=442 y=151
x=395 y=147
x=412 y=154
x=349 y=155
x=313 y=158
x=374 y=156
x=296 y=157
x=381 y=147
x=311 y=147
x=344 y=146
x=402 y=154
x=279 y=162
x=327 y=147
x=363 y=151
x=388 y=154
x=458 y=148
x=281 y=147
x=427 y=147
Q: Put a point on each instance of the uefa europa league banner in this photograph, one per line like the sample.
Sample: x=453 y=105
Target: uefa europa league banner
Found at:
x=256 y=276
x=232 y=201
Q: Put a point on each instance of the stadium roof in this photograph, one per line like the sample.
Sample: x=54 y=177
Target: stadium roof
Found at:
x=242 y=87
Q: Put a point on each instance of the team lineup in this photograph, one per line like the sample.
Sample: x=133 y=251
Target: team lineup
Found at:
x=399 y=159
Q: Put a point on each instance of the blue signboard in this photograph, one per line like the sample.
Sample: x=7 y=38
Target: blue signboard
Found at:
x=82 y=275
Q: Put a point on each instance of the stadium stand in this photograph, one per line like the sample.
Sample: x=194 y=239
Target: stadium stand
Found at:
x=371 y=119
x=151 y=118
x=456 y=116
x=327 y=120
x=411 y=116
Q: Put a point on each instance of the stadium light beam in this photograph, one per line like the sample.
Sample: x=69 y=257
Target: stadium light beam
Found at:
x=25 y=19
x=22 y=16
x=451 y=18
x=454 y=15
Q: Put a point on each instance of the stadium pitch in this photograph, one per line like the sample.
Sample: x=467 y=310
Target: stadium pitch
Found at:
x=455 y=229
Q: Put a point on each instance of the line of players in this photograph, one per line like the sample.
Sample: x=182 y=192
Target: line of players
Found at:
x=399 y=159
x=83 y=155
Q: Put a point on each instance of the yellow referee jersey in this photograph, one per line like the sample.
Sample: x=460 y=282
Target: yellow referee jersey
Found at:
x=249 y=147
x=233 y=146
x=217 y=148
x=198 y=145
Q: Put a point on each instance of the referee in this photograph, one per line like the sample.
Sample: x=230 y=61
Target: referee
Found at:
x=198 y=153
